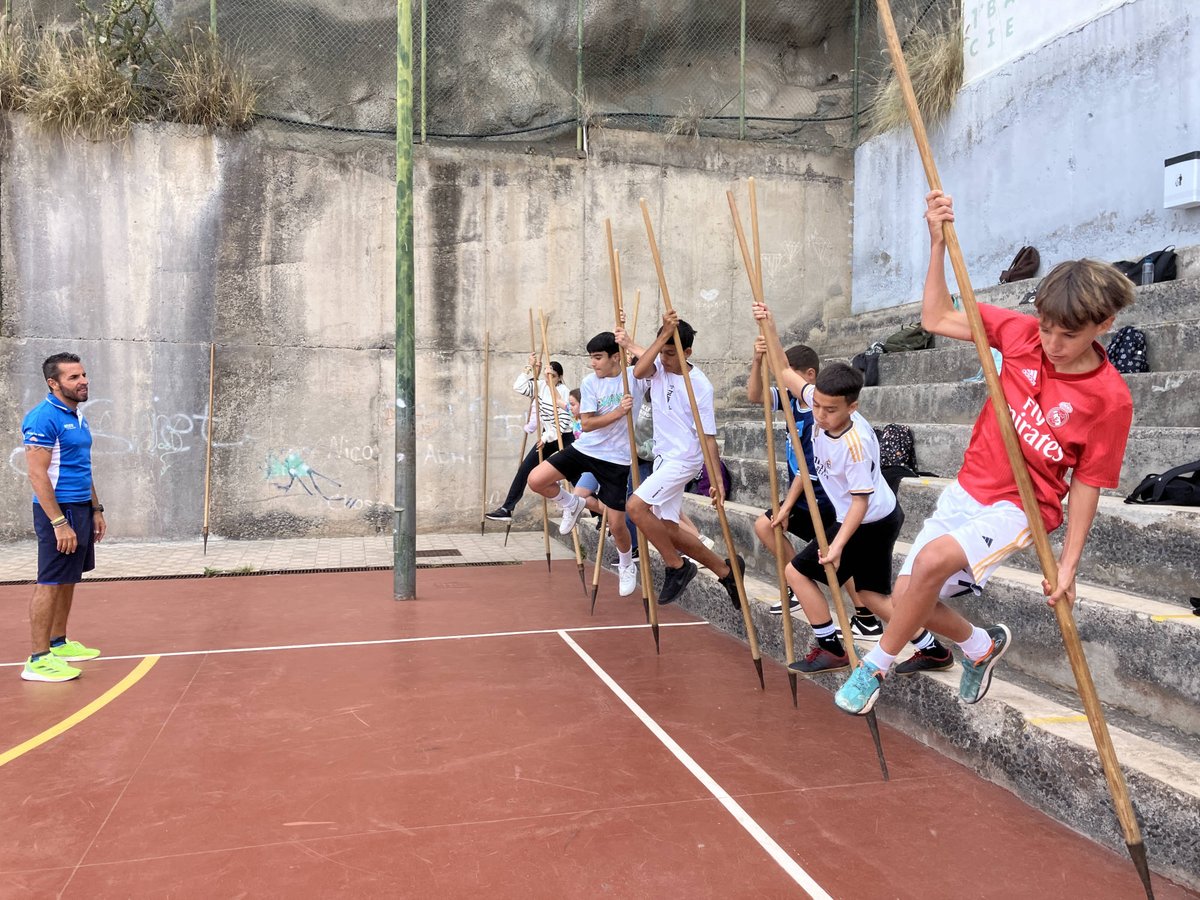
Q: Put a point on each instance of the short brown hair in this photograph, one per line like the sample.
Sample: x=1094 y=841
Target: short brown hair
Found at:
x=802 y=358
x=1082 y=292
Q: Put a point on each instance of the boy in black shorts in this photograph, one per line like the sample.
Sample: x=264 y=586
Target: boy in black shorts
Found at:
x=602 y=449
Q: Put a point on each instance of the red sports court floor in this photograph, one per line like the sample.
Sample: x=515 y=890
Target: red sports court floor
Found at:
x=306 y=735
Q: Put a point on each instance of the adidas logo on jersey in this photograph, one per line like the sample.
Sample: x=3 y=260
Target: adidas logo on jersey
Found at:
x=988 y=541
x=1031 y=375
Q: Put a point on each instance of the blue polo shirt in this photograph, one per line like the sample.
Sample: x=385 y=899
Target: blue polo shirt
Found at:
x=65 y=433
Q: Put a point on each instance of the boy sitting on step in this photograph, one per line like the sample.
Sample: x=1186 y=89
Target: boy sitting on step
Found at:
x=1072 y=410
x=793 y=509
x=656 y=507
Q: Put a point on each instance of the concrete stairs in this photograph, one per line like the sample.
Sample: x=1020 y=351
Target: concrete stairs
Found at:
x=1140 y=571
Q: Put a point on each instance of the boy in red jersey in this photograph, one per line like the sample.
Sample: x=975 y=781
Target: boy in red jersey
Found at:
x=1072 y=411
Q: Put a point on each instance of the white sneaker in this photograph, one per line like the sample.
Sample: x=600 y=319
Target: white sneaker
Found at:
x=629 y=577
x=571 y=514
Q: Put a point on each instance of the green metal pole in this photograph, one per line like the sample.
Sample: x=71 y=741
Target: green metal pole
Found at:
x=423 y=94
x=405 y=535
x=742 y=77
x=854 y=89
x=579 y=77
x=212 y=17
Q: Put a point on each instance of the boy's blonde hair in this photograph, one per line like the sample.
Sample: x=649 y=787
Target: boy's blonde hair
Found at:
x=1082 y=292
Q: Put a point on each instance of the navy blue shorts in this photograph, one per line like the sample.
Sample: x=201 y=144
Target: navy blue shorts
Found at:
x=64 y=568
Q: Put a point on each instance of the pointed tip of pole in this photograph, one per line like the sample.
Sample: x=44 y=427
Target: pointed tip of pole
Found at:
x=792 y=685
x=873 y=724
x=657 y=642
x=548 y=569
x=205 y=553
x=595 y=591
x=646 y=609
x=481 y=526
x=507 y=531
x=762 y=685
x=1137 y=852
x=582 y=578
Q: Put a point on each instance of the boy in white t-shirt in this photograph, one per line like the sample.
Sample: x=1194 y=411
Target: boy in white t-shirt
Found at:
x=656 y=507
x=602 y=449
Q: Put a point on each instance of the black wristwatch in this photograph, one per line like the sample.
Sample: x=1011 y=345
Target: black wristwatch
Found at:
x=99 y=507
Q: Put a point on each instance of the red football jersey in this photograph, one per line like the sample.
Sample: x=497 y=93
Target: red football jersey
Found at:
x=1079 y=422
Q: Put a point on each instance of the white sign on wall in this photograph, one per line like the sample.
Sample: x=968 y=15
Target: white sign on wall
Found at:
x=995 y=31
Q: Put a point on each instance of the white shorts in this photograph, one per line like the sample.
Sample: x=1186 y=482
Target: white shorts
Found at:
x=988 y=536
x=663 y=489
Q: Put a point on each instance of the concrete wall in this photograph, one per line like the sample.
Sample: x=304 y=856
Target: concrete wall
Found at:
x=278 y=247
x=1061 y=148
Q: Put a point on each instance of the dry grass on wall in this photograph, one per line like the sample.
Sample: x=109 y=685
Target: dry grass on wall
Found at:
x=205 y=85
x=14 y=65
x=78 y=92
x=934 y=55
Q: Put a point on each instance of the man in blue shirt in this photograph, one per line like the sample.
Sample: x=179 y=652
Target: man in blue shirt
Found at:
x=67 y=516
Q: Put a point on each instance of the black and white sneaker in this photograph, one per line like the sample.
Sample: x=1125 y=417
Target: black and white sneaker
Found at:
x=868 y=629
x=675 y=581
x=730 y=583
x=500 y=514
x=793 y=604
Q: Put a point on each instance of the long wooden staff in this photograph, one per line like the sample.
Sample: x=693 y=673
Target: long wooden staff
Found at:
x=648 y=598
x=789 y=645
x=637 y=302
x=487 y=417
x=212 y=371
x=714 y=469
x=537 y=406
x=777 y=364
x=1062 y=610
x=558 y=434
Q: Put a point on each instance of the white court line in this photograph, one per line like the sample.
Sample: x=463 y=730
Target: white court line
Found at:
x=756 y=831
x=409 y=640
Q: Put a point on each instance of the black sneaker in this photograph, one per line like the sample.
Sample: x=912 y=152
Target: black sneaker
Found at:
x=777 y=607
x=675 y=581
x=867 y=628
x=500 y=514
x=730 y=584
x=820 y=660
x=933 y=659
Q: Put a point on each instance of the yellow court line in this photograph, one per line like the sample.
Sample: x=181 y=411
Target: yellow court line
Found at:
x=1057 y=720
x=75 y=718
x=1166 y=616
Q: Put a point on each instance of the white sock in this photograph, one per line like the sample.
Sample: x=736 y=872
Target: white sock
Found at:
x=625 y=557
x=880 y=658
x=976 y=647
x=564 y=498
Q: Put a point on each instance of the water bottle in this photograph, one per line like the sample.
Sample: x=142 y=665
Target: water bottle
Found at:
x=1147 y=272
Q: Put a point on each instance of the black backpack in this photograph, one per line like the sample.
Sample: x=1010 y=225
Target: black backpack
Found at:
x=896 y=447
x=1179 y=486
x=1127 y=351
x=1163 y=262
x=1024 y=265
x=867 y=363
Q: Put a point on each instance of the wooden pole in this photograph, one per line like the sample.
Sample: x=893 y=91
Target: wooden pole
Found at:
x=648 y=598
x=212 y=372
x=558 y=434
x=1062 y=610
x=487 y=418
x=714 y=469
x=781 y=543
x=537 y=407
x=599 y=557
x=777 y=363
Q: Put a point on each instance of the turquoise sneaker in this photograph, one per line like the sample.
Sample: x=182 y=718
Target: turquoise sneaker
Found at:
x=73 y=651
x=858 y=695
x=47 y=668
x=977 y=675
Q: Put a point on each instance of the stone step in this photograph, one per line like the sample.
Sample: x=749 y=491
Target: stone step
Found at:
x=940 y=450
x=1149 y=550
x=1160 y=399
x=1170 y=346
x=1023 y=735
x=1170 y=301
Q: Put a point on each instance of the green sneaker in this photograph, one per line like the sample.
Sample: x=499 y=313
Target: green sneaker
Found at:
x=73 y=651
x=977 y=675
x=48 y=668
